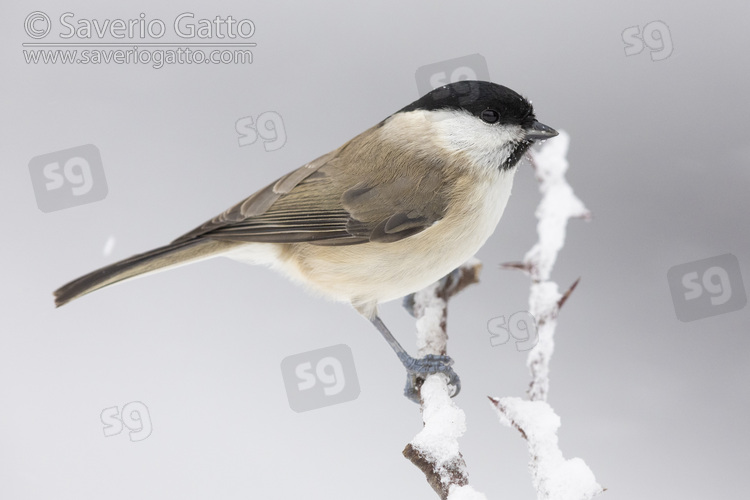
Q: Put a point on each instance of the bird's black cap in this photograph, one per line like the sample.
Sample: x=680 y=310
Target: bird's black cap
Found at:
x=475 y=97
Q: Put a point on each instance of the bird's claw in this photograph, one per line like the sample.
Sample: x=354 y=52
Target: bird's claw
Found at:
x=417 y=371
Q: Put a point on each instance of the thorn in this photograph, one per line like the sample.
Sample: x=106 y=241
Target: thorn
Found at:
x=567 y=294
x=521 y=266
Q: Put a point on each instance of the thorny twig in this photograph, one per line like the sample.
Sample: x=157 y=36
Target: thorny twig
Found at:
x=554 y=477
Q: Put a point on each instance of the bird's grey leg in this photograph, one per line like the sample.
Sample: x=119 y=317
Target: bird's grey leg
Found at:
x=418 y=369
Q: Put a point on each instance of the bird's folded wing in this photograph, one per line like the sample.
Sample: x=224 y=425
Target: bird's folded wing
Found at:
x=323 y=203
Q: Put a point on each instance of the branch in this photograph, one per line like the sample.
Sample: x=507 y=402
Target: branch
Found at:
x=435 y=449
x=558 y=205
x=552 y=475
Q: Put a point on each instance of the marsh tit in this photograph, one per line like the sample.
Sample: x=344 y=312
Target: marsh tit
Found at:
x=391 y=211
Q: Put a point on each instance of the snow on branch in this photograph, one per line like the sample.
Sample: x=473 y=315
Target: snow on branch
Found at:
x=558 y=205
x=434 y=450
x=554 y=477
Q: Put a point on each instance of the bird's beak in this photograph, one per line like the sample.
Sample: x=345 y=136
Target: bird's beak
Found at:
x=540 y=131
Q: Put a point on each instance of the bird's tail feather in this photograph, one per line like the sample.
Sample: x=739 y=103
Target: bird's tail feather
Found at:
x=158 y=259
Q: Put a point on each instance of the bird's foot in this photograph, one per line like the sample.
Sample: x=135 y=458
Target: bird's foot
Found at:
x=417 y=371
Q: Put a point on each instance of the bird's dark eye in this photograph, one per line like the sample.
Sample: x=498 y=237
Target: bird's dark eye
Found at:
x=489 y=116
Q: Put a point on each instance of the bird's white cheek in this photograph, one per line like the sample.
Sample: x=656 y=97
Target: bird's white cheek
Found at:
x=486 y=145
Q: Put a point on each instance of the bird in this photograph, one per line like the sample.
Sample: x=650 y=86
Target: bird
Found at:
x=389 y=212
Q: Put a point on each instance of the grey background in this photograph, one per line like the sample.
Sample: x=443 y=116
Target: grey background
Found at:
x=660 y=152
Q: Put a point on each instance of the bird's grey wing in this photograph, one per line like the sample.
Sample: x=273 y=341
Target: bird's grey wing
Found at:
x=259 y=202
x=323 y=203
x=397 y=208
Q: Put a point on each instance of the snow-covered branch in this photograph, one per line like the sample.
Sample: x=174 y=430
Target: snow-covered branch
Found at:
x=435 y=449
x=554 y=477
x=558 y=205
